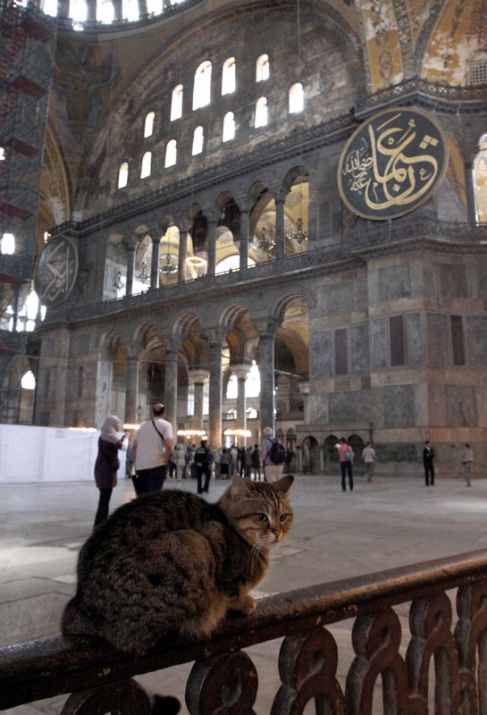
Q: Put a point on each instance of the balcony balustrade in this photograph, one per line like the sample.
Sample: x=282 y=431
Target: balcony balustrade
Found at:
x=433 y=659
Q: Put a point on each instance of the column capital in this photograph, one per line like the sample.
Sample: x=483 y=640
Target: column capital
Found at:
x=279 y=192
x=241 y=370
x=198 y=375
x=245 y=203
x=266 y=327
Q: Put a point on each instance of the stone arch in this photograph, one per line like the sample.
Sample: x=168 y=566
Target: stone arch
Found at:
x=310 y=455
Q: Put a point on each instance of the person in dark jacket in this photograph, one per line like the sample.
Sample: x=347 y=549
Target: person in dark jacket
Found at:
x=107 y=463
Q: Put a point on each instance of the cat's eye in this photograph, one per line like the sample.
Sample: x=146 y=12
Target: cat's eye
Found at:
x=263 y=517
x=283 y=517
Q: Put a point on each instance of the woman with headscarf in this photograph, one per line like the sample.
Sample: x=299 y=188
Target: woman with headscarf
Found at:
x=107 y=463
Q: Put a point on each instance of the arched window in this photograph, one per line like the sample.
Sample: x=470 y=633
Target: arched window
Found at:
x=480 y=180
x=262 y=68
x=171 y=153
x=202 y=85
x=478 y=68
x=296 y=98
x=198 y=138
x=146 y=165
x=149 y=125
x=154 y=7
x=50 y=7
x=7 y=246
x=177 y=102
x=105 y=12
x=261 y=112
x=228 y=127
x=228 y=76
x=123 y=175
x=28 y=381
x=130 y=10
x=79 y=11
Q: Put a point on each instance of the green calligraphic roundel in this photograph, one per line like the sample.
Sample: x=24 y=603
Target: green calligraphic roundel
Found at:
x=392 y=164
x=56 y=271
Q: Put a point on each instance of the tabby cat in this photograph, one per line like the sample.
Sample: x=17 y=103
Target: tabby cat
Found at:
x=172 y=563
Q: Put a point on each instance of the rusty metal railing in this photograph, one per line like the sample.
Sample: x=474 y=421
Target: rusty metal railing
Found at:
x=438 y=663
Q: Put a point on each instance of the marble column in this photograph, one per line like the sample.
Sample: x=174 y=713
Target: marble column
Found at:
x=244 y=237
x=182 y=253
x=211 y=242
x=154 y=270
x=198 y=378
x=241 y=372
x=130 y=268
x=171 y=387
x=470 y=192
x=132 y=389
x=215 y=421
x=267 y=379
x=279 y=197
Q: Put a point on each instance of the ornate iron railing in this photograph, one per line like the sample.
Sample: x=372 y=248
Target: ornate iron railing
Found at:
x=437 y=664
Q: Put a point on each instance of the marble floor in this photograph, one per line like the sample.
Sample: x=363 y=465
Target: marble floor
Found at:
x=388 y=523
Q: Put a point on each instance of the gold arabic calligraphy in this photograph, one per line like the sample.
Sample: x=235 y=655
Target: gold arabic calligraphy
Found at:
x=394 y=165
x=58 y=273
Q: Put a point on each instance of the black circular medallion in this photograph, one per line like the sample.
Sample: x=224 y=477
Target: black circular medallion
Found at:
x=56 y=271
x=392 y=164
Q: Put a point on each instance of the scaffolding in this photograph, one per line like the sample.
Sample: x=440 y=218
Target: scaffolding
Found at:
x=27 y=46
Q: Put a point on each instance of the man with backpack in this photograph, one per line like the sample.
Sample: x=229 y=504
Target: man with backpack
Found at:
x=273 y=455
x=202 y=460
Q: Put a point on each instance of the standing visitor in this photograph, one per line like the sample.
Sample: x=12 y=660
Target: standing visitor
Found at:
x=107 y=464
x=225 y=463
x=466 y=459
x=345 y=454
x=202 y=461
x=368 y=455
x=428 y=462
x=152 y=447
x=273 y=455
x=256 y=462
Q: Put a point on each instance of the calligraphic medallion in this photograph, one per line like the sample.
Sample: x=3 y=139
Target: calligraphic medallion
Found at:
x=392 y=164
x=56 y=271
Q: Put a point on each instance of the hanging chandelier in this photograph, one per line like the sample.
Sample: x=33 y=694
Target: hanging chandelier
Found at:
x=263 y=242
x=118 y=282
x=299 y=234
x=143 y=274
x=169 y=266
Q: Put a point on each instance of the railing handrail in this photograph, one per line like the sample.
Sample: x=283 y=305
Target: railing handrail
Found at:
x=49 y=666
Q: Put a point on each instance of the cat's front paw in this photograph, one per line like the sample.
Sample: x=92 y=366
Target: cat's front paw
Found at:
x=244 y=605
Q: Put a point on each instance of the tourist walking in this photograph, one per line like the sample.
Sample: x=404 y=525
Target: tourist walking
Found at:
x=466 y=459
x=107 y=464
x=346 y=454
x=152 y=446
x=368 y=455
x=202 y=461
x=273 y=453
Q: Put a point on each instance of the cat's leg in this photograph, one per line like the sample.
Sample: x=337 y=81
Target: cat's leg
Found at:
x=242 y=602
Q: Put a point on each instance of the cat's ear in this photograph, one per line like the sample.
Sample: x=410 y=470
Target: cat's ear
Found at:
x=285 y=483
x=241 y=487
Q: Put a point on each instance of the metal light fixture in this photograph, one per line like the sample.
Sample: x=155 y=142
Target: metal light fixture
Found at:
x=299 y=234
x=264 y=242
x=169 y=266
x=118 y=283
x=143 y=274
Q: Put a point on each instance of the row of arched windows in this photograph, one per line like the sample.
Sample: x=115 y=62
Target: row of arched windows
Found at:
x=296 y=105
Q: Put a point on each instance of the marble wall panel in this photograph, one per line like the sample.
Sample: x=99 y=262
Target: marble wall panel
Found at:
x=80 y=345
x=438 y=345
x=321 y=354
x=477 y=341
x=395 y=282
x=398 y=402
x=453 y=281
x=379 y=343
x=318 y=408
x=352 y=407
x=359 y=349
x=414 y=339
x=461 y=406
x=338 y=298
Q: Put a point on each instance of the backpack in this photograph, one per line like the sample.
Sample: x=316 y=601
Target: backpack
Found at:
x=277 y=452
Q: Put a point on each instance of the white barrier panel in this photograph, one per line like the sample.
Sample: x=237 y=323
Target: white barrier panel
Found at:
x=48 y=454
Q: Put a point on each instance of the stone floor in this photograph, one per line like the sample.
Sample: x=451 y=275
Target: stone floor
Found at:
x=387 y=523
